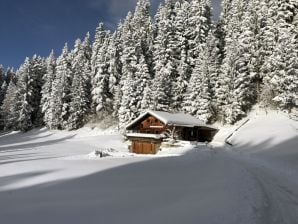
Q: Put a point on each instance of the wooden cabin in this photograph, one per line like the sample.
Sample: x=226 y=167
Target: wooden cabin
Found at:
x=148 y=131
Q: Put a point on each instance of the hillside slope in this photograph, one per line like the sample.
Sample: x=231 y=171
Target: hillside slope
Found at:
x=270 y=137
x=47 y=177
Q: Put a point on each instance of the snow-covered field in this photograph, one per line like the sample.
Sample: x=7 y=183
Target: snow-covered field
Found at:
x=55 y=177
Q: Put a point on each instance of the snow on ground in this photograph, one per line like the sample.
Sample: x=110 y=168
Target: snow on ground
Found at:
x=271 y=128
x=64 y=154
x=56 y=177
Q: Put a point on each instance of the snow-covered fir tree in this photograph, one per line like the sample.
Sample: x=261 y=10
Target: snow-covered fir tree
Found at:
x=87 y=48
x=143 y=33
x=80 y=100
x=229 y=106
x=6 y=77
x=61 y=91
x=283 y=63
x=166 y=57
x=37 y=72
x=143 y=78
x=129 y=102
x=147 y=98
x=137 y=39
x=199 y=93
x=26 y=111
x=3 y=85
x=3 y=90
x=100 y=36
x=117 y=101
x=10 y=76
x=8 y=108
x=115 y=67
x=198 y=26
x=101 y=95
x=235 y=90
x=200 y=96
x=47 y=90
x=2 y=75
x=184 y=68
x=21 y=111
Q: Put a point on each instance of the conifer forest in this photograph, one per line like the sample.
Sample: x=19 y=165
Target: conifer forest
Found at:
x=178 y=60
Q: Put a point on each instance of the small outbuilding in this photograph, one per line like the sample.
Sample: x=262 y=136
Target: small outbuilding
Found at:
x=148 y=131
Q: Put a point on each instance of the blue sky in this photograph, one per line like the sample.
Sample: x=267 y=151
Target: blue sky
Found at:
x=29 y=27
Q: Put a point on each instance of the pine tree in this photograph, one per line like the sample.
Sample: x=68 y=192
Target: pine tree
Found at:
x=79 y=106
x=7 y=77
x=47 y=90
x=137 y=39
x=37 y=71
x=201 y=96
x=61 y=91
x=184 y=68
x=87 y=70
x=79 y=103
x=199 y=24
x=143 y=32
x=3 y=90
x=283 y=79
x=106 y=71
x=2 y=75
x=117 y=101
x=129 y=102
x=22 y=109
x=101 y=95
x=234 y=89
x=246 y=61
x=128 y=106
x=100 y=36
x=26 y=111
x=280 y=66
x=165 y=57
x=267 y=36
x=8 y=108
x=143 y=79
x=199 y=93
x=10 y=76
x=115 y=67
x=147 y=99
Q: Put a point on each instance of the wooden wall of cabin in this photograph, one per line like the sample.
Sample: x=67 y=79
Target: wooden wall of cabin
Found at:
x=144 y=145
x=152 y=125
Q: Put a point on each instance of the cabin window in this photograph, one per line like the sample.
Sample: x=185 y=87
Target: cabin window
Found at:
x=156 y=121
x=141 y=125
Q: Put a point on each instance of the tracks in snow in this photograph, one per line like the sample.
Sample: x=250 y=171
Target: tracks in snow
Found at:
x=279 y=194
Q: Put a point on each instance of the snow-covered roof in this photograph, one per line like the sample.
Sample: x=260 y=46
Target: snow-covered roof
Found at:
x=176 y=119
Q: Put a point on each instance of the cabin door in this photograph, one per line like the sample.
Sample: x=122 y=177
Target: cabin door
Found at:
x=143 y=147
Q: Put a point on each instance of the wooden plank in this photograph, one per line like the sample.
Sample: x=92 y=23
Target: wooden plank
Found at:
x=152 y=125
x=143 y=147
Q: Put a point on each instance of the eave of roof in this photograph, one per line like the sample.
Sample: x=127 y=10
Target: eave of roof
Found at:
x=179 y=119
